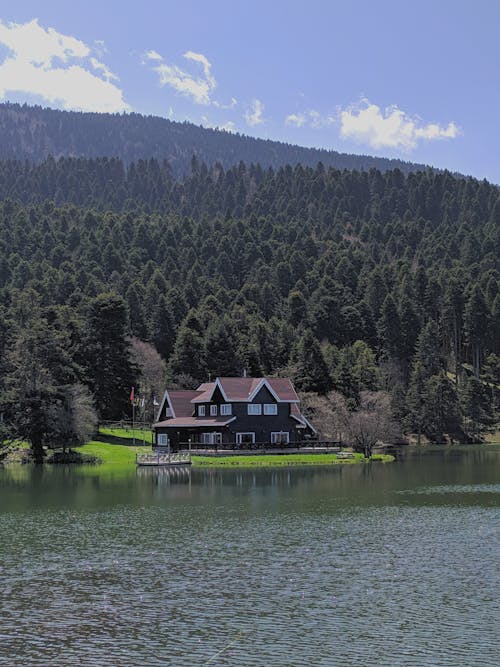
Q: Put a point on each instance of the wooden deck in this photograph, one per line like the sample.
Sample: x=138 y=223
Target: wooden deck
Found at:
x=163 y=459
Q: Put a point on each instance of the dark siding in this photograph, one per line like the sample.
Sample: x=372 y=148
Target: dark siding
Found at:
x=262 y=425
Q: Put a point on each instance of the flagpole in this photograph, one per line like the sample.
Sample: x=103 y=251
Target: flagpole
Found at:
x=144 y=423
x=133 y=421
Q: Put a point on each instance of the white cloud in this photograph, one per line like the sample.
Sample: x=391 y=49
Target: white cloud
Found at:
x=107 y=74
x=296 y=119
x=311 y=117
x=56 y=67
x=390 y=128
x=253 y=115
x=229 y=126
x=152 y=55
x=231 y=105
x=198 y=87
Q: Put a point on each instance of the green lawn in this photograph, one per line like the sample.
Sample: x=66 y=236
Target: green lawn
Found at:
x=127 y=434
x=284 y=460
x=114 y=450
x=124 y=455
x=112 y=454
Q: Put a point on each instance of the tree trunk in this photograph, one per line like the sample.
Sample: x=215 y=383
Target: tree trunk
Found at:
x=37 y=449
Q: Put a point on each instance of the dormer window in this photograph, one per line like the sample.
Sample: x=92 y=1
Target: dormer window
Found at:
x=226 y=409
x=270 y=409
x=201 y=411
x=168 y=412
x=254 y=409
x=213 y=411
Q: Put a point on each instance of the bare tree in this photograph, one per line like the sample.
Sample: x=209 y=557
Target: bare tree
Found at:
x=74 y=417
x=371 y=423
x=328 y=413
x=362 y=428
x=152 y=368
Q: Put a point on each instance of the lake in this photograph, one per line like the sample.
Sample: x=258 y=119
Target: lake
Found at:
x=391 y=565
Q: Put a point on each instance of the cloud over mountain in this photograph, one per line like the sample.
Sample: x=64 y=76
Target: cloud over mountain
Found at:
x=56 y=67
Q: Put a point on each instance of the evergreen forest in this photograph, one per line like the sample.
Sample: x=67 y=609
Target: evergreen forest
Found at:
x=346 y=281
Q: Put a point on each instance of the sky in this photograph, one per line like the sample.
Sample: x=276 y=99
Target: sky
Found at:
x=419 y=81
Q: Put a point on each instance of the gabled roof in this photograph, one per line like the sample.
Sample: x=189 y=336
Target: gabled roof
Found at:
x=243 y=390
x=179 y=402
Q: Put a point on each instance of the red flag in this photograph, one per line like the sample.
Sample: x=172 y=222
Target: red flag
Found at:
x=132 y=395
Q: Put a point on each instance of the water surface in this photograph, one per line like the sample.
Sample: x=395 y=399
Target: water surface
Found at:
x=392 y=565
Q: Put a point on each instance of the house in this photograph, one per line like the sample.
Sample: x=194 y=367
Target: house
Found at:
x=238 y=411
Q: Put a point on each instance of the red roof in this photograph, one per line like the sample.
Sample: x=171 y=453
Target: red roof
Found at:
x=242 y=389
x=180 y=401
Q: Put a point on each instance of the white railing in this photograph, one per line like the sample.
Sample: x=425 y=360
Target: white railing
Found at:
x=163 y=459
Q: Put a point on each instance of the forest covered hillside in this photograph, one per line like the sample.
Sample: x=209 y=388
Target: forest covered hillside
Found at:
x=344 y=280
x=34 y=133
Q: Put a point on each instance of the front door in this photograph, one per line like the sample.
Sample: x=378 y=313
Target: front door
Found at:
x=211 y=438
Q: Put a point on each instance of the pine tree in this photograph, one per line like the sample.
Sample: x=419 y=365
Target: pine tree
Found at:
x=389 y=328
x=105 y=355
x=427 y=350
x=416 y=401
x=442 y=410
x=311 y=372
x=476 y=319
x=43 y=402
x=162 y=328
x=221 y=357
x=188 y=356
x=476 y=407
x=345 y=378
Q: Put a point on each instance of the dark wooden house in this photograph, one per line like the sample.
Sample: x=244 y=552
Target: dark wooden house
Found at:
x=232 y=411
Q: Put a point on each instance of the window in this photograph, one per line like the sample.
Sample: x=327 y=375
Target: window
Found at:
x=211 y=438
x=201 y=411
x=245 y=438
x=162 y=439
x=280 y=437
x=168 y=412
x=213 y=411
x=226 y=409
x=254 y=409
x=270 y=409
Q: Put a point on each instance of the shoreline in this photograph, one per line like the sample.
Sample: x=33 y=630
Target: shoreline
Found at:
x=100 y=454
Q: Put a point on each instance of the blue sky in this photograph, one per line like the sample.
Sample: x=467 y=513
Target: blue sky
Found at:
x=418 y=81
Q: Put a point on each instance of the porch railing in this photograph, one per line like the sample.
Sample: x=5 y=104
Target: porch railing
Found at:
x=257 y=446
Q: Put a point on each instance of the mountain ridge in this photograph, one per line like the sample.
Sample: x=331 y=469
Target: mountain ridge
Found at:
x=34 y=133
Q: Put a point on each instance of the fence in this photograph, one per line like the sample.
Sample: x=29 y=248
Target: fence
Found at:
x=259 y=446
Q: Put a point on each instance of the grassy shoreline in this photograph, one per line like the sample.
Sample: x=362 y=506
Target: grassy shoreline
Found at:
x=109 y=453
x=103 y=454
x=271 y=460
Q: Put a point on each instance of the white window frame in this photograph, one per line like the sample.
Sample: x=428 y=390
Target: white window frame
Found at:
x=214 y=438
x=168 y=412
x=270 y=409
x=254 y=409
x=276 y=441
x=162 y=440
x=213 y=410
x=238 y=438
x=226 y=409
x=201 y=411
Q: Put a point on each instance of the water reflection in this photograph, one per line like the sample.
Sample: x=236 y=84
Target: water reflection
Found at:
x=390 y=565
